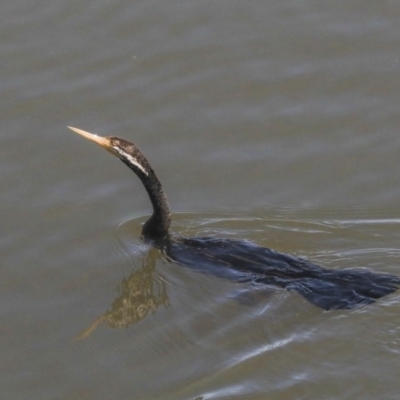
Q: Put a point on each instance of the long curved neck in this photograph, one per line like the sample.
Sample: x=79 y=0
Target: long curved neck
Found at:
x=157 y=226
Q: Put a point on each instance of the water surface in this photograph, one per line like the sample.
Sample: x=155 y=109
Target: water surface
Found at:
x=275 y=122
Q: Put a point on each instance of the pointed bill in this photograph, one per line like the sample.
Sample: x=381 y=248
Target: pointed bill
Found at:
x=102 y=141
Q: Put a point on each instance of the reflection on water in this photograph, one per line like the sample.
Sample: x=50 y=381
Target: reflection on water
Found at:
x=143 y=292
x=240 y=105
x=139 y=294
x=241 y=345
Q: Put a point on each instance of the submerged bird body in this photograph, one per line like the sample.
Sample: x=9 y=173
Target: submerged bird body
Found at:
x=243 y=261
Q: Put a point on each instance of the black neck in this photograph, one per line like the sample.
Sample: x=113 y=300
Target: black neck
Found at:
x=157 y=226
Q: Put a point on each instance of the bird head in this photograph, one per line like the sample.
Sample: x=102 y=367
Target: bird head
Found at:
x=126 y=151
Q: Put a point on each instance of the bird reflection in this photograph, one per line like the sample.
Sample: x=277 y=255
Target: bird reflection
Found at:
x=139 y=294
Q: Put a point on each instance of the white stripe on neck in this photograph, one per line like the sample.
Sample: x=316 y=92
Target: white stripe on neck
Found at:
x=132 y=160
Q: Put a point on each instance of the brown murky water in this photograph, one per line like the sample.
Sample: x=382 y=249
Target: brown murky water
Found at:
x=277 y=122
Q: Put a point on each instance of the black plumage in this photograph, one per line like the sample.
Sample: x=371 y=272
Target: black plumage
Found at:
x=243 y=261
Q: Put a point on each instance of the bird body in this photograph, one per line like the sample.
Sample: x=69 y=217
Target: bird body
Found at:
x=241 y=260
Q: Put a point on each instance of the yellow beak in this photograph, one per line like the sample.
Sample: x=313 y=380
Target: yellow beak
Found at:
x=102 y=141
